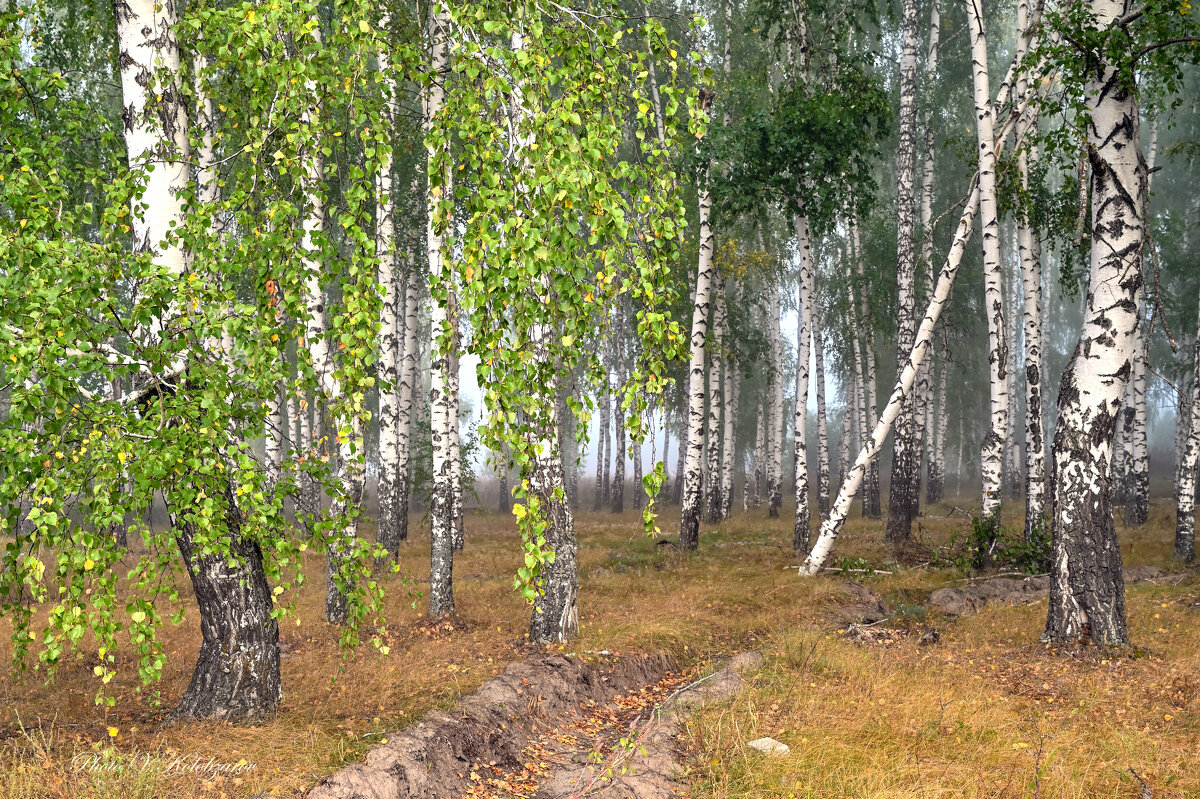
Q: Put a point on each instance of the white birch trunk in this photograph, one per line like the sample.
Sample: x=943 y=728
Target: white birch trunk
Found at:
x=823 y=467
x=729 y=446
x=760 y=435
x=869 y=409
x=802 y=527
x=689 y=524
x=1087 y=592
x=1137 y=511
x=455 y=455
x=905 y=485
x=1185 y=494
x=441 y=384
x=927 y=432
x=713 y=483
x=407 y=396
x=391 y=347
x=1012 y=458
x=1029 y=248
x=992 y=451
x=775 y=407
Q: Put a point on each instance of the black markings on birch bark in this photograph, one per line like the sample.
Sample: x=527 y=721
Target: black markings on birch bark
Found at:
x=775 y=404
x=802 y=525
x=868 y=408
x=729 y=446
x=689 y=524
x=904 y=490
x=237 y=675
x=391 y=345
x=407 y=401
x=1029 y=248
x=992 y=450
x=923 y=399
x=823 y=466
x=713 y=483
x=601 y=449
x=1185 y=494
x=441 y=508
x=1087 y=592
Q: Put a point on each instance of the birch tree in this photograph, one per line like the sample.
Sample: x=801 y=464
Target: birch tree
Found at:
x=391 y=332
x=439 y=201
x=689 y=523
x=1185 y=495
x=1029 y=249
x=204 y=361
x=992 y=452
x=905 y=487
x=803 y=523
x=1087 y=594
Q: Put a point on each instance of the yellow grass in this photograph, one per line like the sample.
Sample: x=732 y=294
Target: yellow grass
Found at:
x=967 y=717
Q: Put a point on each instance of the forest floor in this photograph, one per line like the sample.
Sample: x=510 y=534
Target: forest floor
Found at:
x=984 y=712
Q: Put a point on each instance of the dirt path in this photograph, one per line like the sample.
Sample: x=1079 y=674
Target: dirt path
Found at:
x=549 y=727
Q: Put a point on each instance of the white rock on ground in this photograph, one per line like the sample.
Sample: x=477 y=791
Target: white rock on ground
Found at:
x=769 y=746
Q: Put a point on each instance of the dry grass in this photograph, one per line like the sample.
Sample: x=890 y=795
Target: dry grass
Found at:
x=965 y=718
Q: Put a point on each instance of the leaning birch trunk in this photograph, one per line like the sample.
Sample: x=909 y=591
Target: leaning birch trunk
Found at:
x=905 y=487
x=712 y=486
x=802 y=527
x=908 y=375
x=689 y=522
x=237 y=676
x=441 y=510
x=1029 y=248
x=390 y=343
x=1087 y=590
x=1185 y=495
x=991 y=461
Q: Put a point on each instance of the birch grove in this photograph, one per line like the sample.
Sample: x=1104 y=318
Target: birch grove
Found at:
x=279 y=281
